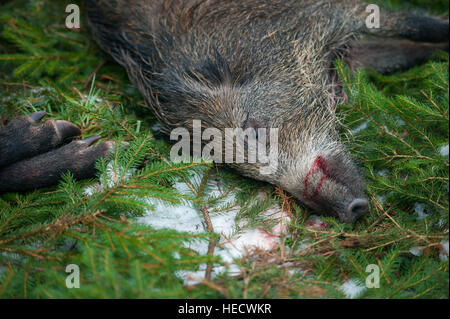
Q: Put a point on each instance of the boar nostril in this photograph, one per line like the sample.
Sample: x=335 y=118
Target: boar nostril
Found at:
x=358 y=207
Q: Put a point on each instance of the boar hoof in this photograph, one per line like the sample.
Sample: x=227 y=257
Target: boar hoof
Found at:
x=35 y=155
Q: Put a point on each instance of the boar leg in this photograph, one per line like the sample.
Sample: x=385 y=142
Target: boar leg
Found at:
x=32 y=155
x=388 y=56
x=25 y=137
x=44 y=170
x=407 y=26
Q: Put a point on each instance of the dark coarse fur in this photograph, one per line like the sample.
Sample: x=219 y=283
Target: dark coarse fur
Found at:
x=235 y=63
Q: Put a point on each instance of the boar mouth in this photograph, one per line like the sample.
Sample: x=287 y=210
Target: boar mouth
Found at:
x=348 y=212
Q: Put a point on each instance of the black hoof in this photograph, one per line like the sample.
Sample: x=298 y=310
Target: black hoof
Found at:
x=26 y=137
x=35 y=155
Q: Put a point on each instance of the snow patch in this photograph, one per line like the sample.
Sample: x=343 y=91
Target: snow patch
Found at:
x=381 y=199
x=443 y=254
x=352 y=288
x=382 y=172
x=361 y=127
x=419 y=209
x=234 y=242
x=112 y=178
x=416 y=251
x=156 y=127
x=316 y=222
x=443 y=150
x=236 y=239
x=399 y=121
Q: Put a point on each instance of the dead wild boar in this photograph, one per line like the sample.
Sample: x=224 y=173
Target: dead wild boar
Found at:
x=262 y=64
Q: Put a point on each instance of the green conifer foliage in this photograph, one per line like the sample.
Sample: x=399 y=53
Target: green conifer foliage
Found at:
x=396 y=126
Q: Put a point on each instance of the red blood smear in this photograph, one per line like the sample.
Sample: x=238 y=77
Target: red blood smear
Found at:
x=318 y=165
x=319 y=186
x=317 y=225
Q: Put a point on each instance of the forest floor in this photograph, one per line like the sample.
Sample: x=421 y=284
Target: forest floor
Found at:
x=138 y=231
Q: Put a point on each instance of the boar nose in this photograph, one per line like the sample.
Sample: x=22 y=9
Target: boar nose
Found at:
x=356 y=208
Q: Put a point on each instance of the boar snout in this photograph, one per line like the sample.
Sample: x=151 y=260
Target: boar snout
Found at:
x=354 y=210
x=328 y=182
